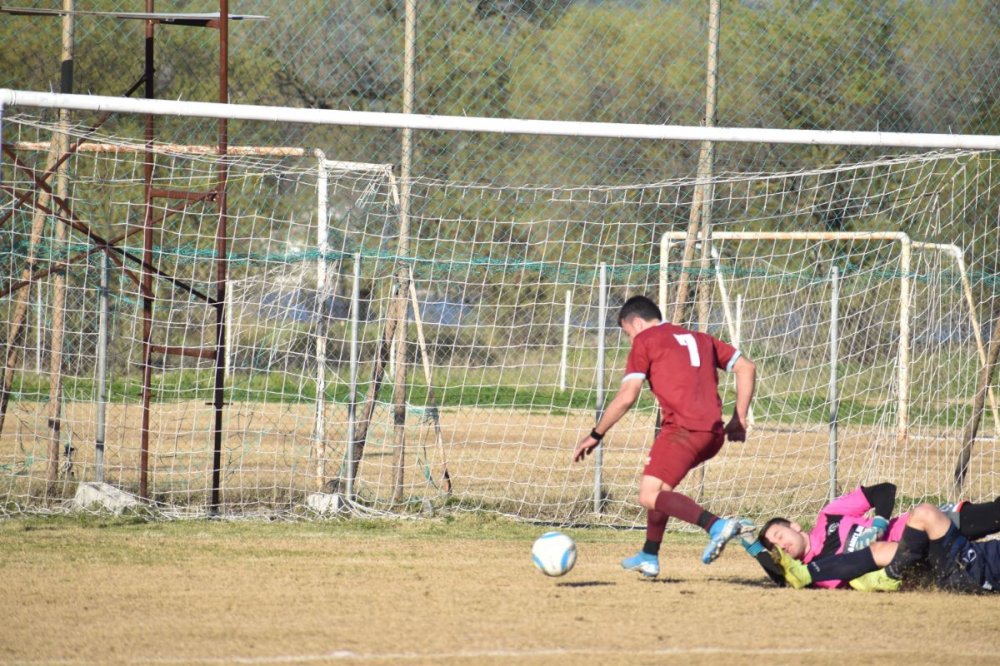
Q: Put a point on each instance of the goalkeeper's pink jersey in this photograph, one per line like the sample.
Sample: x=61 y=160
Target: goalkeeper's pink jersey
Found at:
x=838 y=526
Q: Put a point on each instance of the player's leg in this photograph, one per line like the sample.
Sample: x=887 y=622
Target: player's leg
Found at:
x=720 y=530
x=976 y=520
x=925 y=523
x=668 y=463
x=647 y=560
x=671 y=457
x=676 y=452
x=661 y=502
x=960 y=565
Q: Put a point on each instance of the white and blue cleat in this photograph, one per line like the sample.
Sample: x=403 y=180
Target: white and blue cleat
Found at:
x=721 y=532
x=646 y=564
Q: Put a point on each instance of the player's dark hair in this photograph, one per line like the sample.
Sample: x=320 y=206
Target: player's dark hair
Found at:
x=764 y=541
x=639 y=306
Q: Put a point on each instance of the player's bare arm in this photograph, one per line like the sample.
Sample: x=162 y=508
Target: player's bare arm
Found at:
x=627 y=395
x=746 y=380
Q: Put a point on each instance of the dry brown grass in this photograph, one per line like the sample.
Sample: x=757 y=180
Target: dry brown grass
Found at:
x=441 y=591
x=516 y=462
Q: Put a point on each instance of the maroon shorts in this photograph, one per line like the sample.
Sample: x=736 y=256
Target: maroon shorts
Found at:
x=677 y=451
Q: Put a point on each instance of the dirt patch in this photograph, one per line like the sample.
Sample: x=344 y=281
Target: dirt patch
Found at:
x=227 y=593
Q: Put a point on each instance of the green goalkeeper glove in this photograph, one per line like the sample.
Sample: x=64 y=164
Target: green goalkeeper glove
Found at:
x=752 y=546
x=796 y=573
x=869 y=535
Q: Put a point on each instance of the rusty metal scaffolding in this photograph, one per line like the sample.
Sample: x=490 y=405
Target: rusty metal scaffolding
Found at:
x=62 y=211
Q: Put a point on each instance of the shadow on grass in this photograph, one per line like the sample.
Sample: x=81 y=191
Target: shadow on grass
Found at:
x=586 y=583
x=765 y=583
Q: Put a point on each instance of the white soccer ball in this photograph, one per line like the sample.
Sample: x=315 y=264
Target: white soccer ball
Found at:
x=554 y=553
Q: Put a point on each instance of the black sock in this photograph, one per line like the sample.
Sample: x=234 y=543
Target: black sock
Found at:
x=651 y=547
x=847 y=566
x=979 y=520
x=705 y=520
x=912 y=548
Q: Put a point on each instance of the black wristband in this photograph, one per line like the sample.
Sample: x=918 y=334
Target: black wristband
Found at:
x=596 y=435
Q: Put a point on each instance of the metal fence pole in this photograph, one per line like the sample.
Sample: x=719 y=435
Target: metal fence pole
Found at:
x=322 y=240
x=834 y=344
x=352 y=400
x=102 y=369
x=564 y=360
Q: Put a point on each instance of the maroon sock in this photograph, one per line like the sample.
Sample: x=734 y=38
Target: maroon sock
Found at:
x=656 y=524
x=678 y=506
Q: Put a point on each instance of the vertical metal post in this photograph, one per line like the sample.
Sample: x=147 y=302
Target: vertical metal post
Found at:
x=352 y=400
x=39 y=318
x=147 y=261
x=834 y=359
x=738 y=337
x=230 y=308
x=102 y=368
x=903 y=414
x=602 y=315
x=564 y=360
x=322 y=238
x=664 y=264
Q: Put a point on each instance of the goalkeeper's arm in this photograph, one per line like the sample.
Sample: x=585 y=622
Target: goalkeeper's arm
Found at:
x=882 y=497
x=757 y=551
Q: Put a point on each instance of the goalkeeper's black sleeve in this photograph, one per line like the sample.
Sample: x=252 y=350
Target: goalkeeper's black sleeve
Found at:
x=882 y=497
x=846 y=566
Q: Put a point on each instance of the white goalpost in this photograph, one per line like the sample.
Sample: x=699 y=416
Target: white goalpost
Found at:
x=866 y=293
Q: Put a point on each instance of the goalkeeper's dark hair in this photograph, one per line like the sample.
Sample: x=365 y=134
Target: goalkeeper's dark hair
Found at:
x=639 y=306
x=764 y=541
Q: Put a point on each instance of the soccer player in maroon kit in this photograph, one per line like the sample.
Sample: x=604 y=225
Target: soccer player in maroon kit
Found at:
x=681 y=368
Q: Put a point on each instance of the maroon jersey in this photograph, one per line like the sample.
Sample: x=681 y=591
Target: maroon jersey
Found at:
x=681 y=368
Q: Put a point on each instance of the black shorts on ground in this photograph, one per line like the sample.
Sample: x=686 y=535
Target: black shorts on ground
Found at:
x=961 y=565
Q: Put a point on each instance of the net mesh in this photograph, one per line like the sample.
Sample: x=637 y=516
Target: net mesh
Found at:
x=500 y=376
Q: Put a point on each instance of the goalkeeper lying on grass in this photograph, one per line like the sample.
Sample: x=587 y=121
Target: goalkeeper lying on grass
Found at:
x=931 y=549
x=843 y=527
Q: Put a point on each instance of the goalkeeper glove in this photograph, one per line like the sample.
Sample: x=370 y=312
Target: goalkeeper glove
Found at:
x=752 y=546
x=796 y=573
x=870 y=535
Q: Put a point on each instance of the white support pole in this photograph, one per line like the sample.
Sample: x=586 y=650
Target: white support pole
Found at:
x=602 y=308
x=322 y=242
x=834 y=359
x=564 y=361
x=39 y=325
x=727 y=308
x=230 y=296
x=905 y=312
x=665 y=243
x=738 y=338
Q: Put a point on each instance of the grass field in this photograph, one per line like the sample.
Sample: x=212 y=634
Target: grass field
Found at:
x=436 y=591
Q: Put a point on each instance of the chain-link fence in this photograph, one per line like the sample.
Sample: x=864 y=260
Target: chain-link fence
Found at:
x=891 y=65
x=503 y=226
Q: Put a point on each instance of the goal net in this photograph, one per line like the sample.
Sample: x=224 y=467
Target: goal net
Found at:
x=449 y=355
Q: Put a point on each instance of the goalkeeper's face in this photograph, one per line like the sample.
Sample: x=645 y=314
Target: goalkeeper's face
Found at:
x=790 y=538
